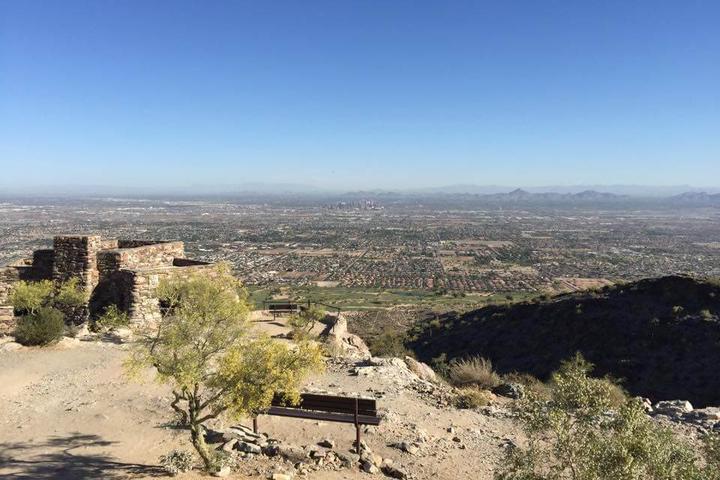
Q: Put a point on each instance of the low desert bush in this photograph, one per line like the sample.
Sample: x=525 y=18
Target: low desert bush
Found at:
x=577 y=434
x=177 y=461
x=473 y=371
x=529 y=383
x=43 y=327
x=388 y=344
x=112 y=318
x=472 y=398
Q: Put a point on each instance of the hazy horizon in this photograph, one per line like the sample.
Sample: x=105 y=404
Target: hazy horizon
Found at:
x=80 y=190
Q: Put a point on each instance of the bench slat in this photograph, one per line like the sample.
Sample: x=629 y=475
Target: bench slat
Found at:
x=331 y=403
x=326 y=416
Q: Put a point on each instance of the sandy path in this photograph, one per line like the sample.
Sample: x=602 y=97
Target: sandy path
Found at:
x=68 y=413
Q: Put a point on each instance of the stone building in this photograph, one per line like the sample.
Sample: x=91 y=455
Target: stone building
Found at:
x=120 y=272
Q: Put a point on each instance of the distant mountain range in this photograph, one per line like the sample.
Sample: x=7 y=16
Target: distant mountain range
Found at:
x=557 y=196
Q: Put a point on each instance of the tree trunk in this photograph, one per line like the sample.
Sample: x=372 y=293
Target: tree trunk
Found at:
x=197 y=436
x=197 y=431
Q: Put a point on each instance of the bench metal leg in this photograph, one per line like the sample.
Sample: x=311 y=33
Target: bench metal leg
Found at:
x=255 y=426
x=357 y=439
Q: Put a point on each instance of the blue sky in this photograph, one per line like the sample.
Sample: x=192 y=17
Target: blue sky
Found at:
x=359 y=94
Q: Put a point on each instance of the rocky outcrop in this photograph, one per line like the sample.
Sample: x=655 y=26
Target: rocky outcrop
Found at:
x=681 y=411
x=241 y=442
x=422 y=370
x=341 y=342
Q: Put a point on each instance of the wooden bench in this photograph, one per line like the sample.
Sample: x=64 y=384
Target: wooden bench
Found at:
x=328 y=408
x=280 y=308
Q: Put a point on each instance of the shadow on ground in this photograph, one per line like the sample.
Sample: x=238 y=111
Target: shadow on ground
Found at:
x=62 y=457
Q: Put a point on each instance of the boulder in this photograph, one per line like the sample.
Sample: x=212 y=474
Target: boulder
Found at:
x=673 y=408
x=394 y=472
x=248 y=447
x=10 y=347
x=369 y=467
x=510 y=390
x=422 y=370
x=327 y=443
x=342 y=342
x=292 y=453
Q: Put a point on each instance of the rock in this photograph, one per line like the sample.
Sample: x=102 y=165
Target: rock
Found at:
x=343 y=343
x=248 y=447
x=214 y=436
x=408 y=447
x=422 y=370
x=510 y=390
x=709 y=413
x=281 y=476
x=394 y=472
x=327 y=443
x=369 y=467
x=347 y=460
x=10 y=347
x=223 y=472
x=292 y=453
x=673 y=408
x=229 y=445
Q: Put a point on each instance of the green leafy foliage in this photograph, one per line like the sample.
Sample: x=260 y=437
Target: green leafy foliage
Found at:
x=27 y=297
x=112 y=318
x=204 y=349
x=39 y=307
x=71 y=294
x=303 y=322
x=44 y=326
x=577 y=435
x=177 y=461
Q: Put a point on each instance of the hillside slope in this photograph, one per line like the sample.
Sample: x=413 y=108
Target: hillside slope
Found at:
x=661 y=336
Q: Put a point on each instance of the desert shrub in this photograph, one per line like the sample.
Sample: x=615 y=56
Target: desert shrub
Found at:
x=28 y=297
x=111 y=318
x=440 y=365
x=43 y=327
x=576 y=435
x=475 y=371
x=529 y=383
x=471 y=398
x=388 y=344
x=177 y=461
x=303 y=322
x=71 y=294
x=204 y=349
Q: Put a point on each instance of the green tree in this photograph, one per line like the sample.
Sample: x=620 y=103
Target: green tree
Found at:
x=204 y=349
x=41 y=308
x=303 y=322
x=577 y=435
x=28 y=297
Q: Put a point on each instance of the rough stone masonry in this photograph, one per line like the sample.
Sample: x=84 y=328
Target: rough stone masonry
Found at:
x=120 y=272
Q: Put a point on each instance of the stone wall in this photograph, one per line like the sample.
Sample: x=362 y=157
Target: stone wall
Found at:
x=139 y=257
x=145 y=307
x=120 y=272
x=76 y=257
x=8 y=276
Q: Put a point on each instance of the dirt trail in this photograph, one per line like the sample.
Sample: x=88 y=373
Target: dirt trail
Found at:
x=68 y=413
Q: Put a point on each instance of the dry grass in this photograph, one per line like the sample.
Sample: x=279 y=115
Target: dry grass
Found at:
x=472 y=398
x=473 y=371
